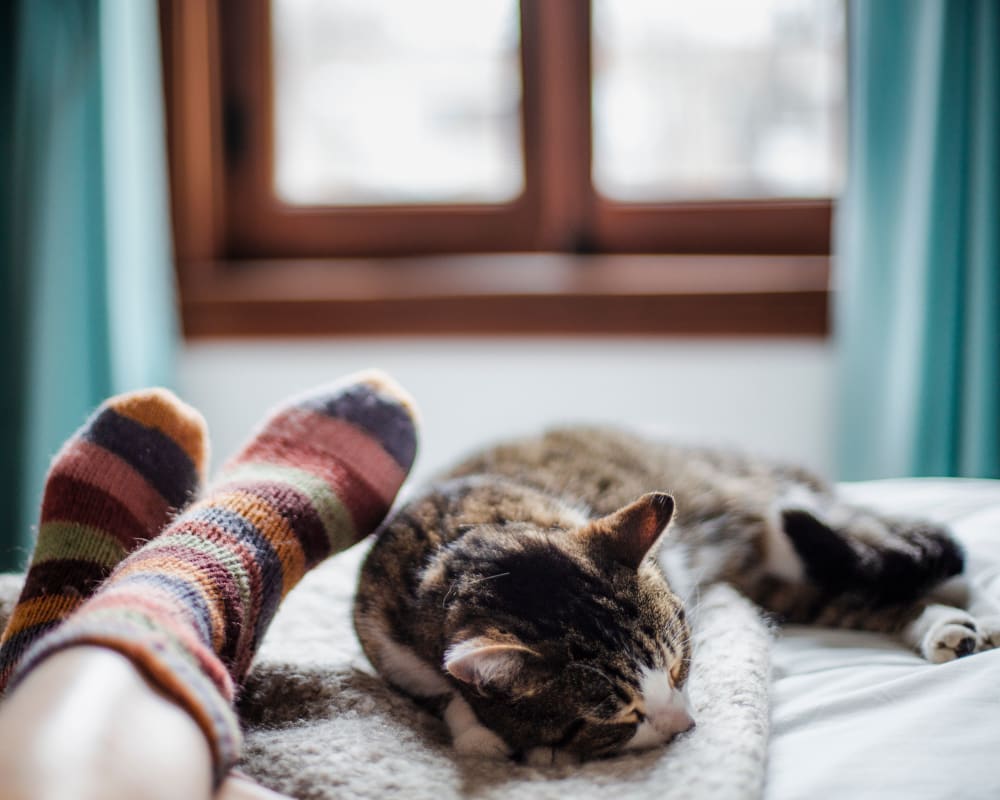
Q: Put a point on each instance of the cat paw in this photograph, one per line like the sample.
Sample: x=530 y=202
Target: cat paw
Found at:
x=469 y=736
x=549 y=757
x=954 y=636
x=989 y=632
x=480 y=742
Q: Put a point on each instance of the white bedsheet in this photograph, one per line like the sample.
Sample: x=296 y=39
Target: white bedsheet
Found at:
x=856 y=715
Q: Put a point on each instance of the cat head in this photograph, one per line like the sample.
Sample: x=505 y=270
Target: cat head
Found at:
x=570 y=639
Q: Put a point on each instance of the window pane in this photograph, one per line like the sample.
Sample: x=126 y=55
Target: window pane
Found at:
x=397 y=101
x=718 y=99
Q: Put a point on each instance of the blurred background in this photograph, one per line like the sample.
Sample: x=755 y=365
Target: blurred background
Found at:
x=767 y=224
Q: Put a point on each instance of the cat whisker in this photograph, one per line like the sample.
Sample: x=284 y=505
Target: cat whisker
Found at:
x=490 y=577
x=451 y=589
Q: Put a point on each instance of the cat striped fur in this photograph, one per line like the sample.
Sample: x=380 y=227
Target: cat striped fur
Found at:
x=531 y=597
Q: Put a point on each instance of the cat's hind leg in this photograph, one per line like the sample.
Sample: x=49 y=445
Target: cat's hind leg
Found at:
x=886 y=562
x=878 y=573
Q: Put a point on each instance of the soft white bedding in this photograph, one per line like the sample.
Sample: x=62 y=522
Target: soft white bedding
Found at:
x=855 y=715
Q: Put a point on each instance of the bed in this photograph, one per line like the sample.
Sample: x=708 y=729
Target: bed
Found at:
x=791 y=714
x=796 y=713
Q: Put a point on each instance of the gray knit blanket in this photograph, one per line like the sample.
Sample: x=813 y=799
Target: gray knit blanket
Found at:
x=320 y=724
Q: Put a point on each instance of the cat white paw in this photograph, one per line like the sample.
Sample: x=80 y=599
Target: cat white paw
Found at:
x=469 y=737
x=480 y=742
x=549 y=757
x=950 y=637
x=989 y=632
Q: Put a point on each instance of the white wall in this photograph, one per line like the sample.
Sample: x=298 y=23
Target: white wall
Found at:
x=768 y=396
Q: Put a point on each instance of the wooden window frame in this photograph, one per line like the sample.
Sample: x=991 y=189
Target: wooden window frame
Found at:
x=249 y=265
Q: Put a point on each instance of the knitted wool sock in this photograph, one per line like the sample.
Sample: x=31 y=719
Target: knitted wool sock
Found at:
x=190 y=607
x=114 y=485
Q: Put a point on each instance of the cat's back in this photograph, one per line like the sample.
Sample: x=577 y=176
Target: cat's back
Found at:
x=603 y=468
x=607 y=468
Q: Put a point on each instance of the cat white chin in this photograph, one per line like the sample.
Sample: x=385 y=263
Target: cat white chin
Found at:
x=668 y=712
x=648 y=736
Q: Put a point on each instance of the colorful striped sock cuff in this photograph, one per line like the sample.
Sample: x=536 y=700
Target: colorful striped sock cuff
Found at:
x=137 y=461
x=191 y=607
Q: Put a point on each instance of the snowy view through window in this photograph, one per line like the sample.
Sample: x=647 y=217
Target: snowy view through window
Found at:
x=399 y=102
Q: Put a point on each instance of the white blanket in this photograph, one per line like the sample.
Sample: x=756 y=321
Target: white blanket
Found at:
x=855 y=715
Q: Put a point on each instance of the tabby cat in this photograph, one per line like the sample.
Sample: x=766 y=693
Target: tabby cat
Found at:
x=527 y=597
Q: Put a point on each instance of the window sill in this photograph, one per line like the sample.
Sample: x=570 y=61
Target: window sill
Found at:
x=523 y=294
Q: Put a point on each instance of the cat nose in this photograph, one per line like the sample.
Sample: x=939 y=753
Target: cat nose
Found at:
x=687 y=721
x=675 y=717
x=677 y=721
x=667 y=708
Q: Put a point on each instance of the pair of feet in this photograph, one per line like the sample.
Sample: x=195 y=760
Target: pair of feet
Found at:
x=128 y=558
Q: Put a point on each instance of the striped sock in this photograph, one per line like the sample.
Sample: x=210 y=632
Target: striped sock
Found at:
x=114 y=485
x=191 y=607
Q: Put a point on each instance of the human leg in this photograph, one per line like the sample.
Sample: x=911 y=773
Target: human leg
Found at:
x=137 y=461
x=190 y=608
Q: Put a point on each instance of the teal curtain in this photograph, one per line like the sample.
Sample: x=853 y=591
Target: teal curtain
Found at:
x=87 y=285
x=917 y=301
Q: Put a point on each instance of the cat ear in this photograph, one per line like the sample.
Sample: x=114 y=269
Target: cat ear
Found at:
x=629 y=533
x=482 y=661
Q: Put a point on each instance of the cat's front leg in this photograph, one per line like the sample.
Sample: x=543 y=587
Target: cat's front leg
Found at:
x=943 y=633
x=468 y=735
x=550 y=757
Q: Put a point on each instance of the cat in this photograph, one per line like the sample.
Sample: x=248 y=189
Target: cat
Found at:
x=532 y=598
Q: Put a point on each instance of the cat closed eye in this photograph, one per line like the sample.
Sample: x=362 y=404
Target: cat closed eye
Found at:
x=629 y=716
x=575 y=727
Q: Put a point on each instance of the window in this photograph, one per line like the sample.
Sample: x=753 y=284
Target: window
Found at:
x=396 y=102
x=687 y=108
x=307 y=135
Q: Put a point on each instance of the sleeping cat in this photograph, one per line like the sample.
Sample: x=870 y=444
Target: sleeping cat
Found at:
x=528 y=598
